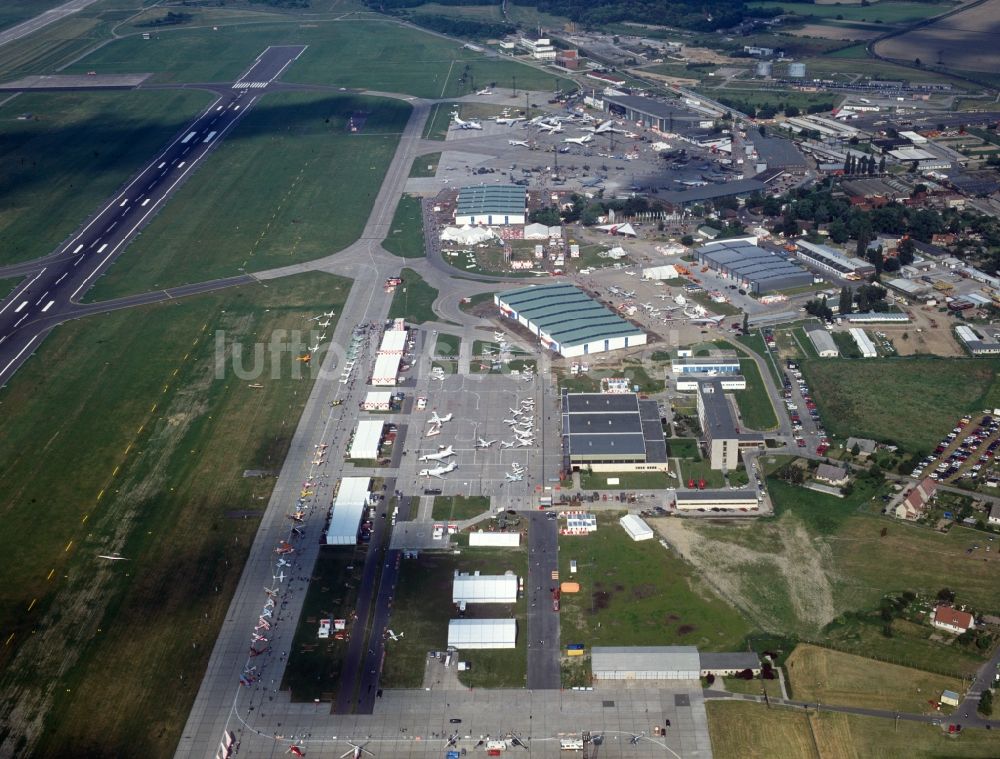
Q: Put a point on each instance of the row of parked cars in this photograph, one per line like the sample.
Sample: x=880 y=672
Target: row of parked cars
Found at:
x=810 y=404
x=973 y=435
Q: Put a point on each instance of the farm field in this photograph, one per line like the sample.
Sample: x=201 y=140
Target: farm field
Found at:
x=413 y=300
x=928 y=394
x=72 y=153
x=968 y=41
x=422 y=607
x=741 y=730
x=406 y=235
x=831 y=677
x=144 y=455
x=263 y=198
x=886 y=13
x=639 y=594
x=846 y=68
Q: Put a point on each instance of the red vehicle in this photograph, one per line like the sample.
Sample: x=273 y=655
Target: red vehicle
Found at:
x=800 y=442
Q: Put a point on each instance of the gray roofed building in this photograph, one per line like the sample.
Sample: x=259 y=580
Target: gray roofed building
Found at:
x=491 y=204
x=723 y=436
x=865 y=446
x=729 y=663
x=778 y=153
x=654 y=113
x=567 y=320
x=835 y=475
x=612 y=432
x=645 y=663
x=713 y=191
x=754 y=268
x=823 y=342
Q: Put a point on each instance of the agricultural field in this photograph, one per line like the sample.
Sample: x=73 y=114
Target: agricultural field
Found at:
x=422 y=607
x=62 y=154
x=413 y=300
x=263 y=197
x=926 y=394
x=887 y=13
x=639 y=594
x=144 y=455
x=406 y=235
x=966 y=41
x=741 y=730
x=831 y=677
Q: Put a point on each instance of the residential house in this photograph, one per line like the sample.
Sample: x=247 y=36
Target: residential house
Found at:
x=865 y=446
x=834 y=475
x=951 y=619
x=914 y=505
x=994 y=517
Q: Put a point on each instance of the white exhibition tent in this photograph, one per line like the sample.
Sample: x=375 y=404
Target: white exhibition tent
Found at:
x=636 y=528
x=386 y=369
x=377 y=400
x=348 y=508
x=667 y=271
x=541 y=232
x=484 y=589
x=465 y=634
x=467 y=235
x=495 y=539
x=619 y=229
x=366 y=439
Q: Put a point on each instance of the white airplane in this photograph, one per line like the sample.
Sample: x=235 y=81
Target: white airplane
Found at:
x=513 y=477
x=327 y=315
x=516 y=467
x=498 y=335
x=708 y=320
x=519 y=143
x=604 y=127
x=258 y=638
x=356 y=751
x=486 y=91
x=395 y=636
x=509 y=121
x=551 y=128
x=283 y=563
x=579 y=140
x=511 y=422
x=322 y=337
x=279 y=577
x=441 y=455
x=435 y=419
x=524 y=442
x=505 y=444
x=314 y=348
x=324 y=325
x=691 y=182
x=484 y=443
x=112 y=557
x=439 y=471
x=435 y=430
x=271 y=592
x=465 y=124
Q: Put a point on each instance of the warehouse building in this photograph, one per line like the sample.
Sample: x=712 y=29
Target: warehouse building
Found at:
x=723 y=437
x=636 y=528
x=729 y=663
x=500 y=205
x=865 y=345
x=654 y=114
x=367 y=439
x=377 y=400
x=612 y=433
x=976 y=342
x=724 y=362
x=567 y=320
x=466 y=634
x=716 y=500
x=729 y=382
x=645 y=663
x=348 y=508
x=753 y=269
x=876 y=317
x=484 y=589
x=823 y=342
x=831 y=261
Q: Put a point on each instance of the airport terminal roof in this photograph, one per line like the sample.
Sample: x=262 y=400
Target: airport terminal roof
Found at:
x=597 y=426
x=566 y=314
x=712 y=191
x=745 y=260
x=491 y=199
x=657 y=108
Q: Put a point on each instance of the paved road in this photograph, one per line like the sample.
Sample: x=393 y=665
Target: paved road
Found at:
x=42 y=20
x=543 y=622
x=51 y=294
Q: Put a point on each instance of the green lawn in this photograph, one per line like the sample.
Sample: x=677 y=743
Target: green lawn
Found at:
x=846 y=344
x=54 y=46
x=135 y=449
x=701 y=469
x=754 y=687
x=478 y=299
x=683 y=448
x=7 y=286
x=911 y=401
x=413 y=299
x=459 y=506
x=425 y=165
x=754 y=403
x=422 y=608
x=439 y=120
x=73 y=152
x=406 y=236
x=265 y=195
x=720 y=309
x=755 y=342
x=639 y=594
x=626 y=480
x=447 y=345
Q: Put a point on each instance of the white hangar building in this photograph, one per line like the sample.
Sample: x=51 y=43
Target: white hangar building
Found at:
x=466 y=634
x=484 y=589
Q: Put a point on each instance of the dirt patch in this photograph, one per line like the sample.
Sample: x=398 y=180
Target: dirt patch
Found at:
x=834 y=32
x=600 y=600
x=686 y=629
x=643 y=591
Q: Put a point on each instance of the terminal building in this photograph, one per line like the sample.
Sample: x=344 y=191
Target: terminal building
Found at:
x=652 y=113
x=723 y=437
x=754 y=269
x=612 y=433
x=567 y=321
x=491 y=205
x=725 y=362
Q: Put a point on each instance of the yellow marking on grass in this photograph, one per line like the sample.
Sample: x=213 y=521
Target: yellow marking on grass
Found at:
x=32 y=604
x=116 y=470
x=101 y=494
x=128 y=448
x=51 y=572
x=85 y=518
x=68 y=546
x=9 y=640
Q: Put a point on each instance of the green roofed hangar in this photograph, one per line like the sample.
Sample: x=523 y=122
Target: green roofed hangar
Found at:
x=567 y=320
x=491 y=205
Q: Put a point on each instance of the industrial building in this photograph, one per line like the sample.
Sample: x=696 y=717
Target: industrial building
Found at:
x=723 y=437
x=976 y=342
x=612 y=433
x=654 y=114
x=636 y=528
x=729 y=382
x=466 y=634
x=823 y=342
x=728 y=663
x=753 y=269
x=723 y=362
x=865 y=345
x=348 y=508
x=484 y=589
x=491 y=205
x=567 y=321
x=367 y=439
x=716 y=500
x=645 y=663
x=874 y=317
x=831 y=261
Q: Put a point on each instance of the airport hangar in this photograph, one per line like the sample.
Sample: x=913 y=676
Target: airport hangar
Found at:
x=567 y=320
x=611 y=432
x=655 y=114
x=756 y=270
x=499 y=205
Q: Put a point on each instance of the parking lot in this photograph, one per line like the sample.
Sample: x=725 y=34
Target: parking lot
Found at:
x=966 y=455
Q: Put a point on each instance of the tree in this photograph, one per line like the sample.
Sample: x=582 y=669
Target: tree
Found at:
x=746 y=323
x=946 y=594
x=856 y=449
x=986 y=703
x=846 y=300
x=687 y=240
x=881 y=166
x=549 y=215
x=906 y=251
x=791 y=111
x=838 y=232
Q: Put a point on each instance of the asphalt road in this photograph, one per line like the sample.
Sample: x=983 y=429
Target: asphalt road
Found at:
x=50 y=295
x=543 y=622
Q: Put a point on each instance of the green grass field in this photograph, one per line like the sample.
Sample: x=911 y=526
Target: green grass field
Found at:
x=911 y=401
x=73 y=152
x=437 y=123
x=447 y=345
x=422 y=608
x=683 y=448
x=741 y=730
x=143 y=452
x=425 y=165
x=265 y=196
x=413 y=300
x=459 y=506
x=754 y=403
x=888 y=13
x=7 y=286
x=406 y=235
x=639 y=594
x=626 y=480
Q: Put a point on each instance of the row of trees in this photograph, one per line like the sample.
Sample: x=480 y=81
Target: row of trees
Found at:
x=855 y=165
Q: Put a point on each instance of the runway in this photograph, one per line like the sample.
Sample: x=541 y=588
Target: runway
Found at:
x=51 y=294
